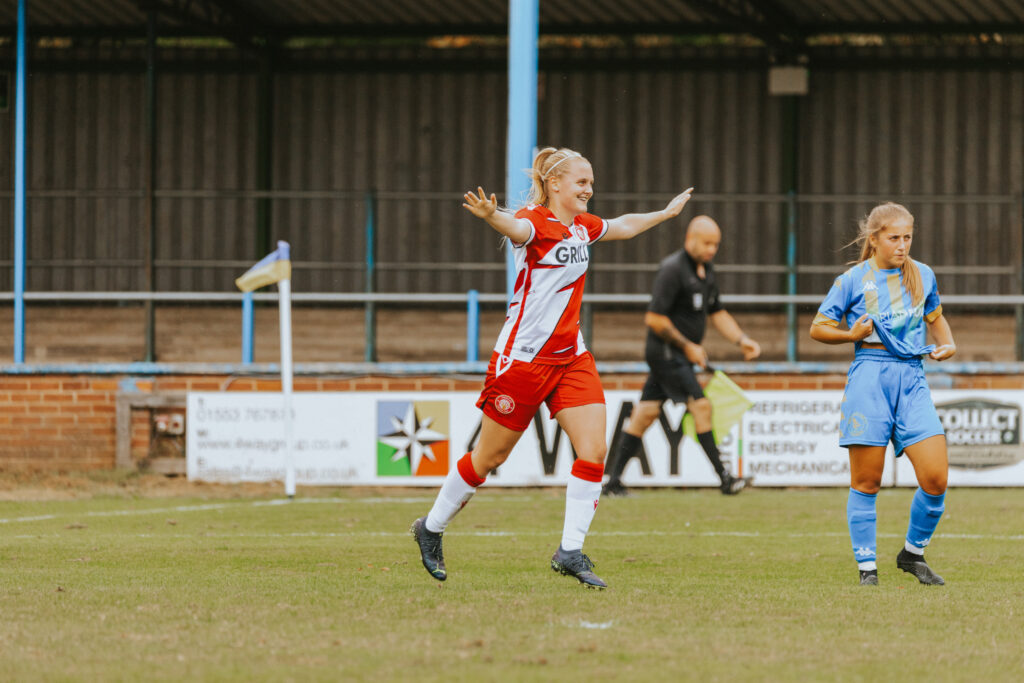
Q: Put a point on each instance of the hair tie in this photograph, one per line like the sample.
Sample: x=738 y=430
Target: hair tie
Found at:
x=572 y=155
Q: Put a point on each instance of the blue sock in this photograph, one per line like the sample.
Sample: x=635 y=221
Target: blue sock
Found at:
x=925 y=512
x=861 y=516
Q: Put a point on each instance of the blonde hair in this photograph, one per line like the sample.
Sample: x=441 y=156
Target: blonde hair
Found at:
x=880 y=218
x=548 y=163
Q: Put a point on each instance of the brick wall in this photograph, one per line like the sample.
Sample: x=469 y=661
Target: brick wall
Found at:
x=67 y=422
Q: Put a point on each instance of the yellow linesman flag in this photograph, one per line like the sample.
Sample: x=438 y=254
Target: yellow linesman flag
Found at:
x=728 y=404
x=273 y=268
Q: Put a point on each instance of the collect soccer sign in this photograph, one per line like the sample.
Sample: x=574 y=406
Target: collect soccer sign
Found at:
x=982 y=434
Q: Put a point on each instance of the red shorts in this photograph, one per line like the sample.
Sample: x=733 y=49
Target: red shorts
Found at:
x=512 y=398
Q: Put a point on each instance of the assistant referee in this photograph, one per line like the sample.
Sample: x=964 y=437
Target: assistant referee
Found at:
x=685 y=295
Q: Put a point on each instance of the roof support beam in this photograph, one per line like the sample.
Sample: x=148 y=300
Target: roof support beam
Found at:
x=763 y=19
x=215 y=17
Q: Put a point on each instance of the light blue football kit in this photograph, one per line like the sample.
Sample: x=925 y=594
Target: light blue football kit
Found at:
x=887 y=396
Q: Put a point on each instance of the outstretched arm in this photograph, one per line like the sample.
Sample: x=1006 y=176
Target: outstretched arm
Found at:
x=632 y=224
x=516 y=229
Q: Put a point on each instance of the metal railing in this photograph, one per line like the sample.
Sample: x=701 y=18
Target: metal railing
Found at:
x=366 y=270
x=472 y=300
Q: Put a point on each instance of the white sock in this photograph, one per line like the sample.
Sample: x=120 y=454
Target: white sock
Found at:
x=453 y=496
x=910 y=548
x=581 y=498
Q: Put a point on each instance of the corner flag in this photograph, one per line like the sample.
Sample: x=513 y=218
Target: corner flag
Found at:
x=274 y=267
x=277 y=267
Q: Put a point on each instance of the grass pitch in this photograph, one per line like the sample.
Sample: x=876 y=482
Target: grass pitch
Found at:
x=329 y=587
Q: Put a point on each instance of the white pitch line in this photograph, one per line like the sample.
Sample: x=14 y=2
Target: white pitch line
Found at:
x=35 y=518
x=224 y=506
x=505 y=534
x=418 y=500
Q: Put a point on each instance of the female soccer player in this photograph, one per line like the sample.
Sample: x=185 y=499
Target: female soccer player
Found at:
x=887 y=301
x=540 y=356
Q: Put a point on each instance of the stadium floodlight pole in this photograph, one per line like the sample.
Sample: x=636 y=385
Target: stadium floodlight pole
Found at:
x=523 y=20
x=19 y=188
x=277 y=267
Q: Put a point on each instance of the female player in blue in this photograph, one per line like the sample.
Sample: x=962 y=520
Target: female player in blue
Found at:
x=888 y=301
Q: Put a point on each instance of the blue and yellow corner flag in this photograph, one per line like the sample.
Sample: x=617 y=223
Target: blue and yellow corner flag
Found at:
x=273 y=268
x=728 y=403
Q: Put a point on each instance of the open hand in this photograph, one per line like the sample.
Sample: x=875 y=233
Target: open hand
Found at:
x=480 y=206
x=678 y=202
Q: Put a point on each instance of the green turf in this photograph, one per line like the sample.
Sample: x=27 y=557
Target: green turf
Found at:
x=702 y=587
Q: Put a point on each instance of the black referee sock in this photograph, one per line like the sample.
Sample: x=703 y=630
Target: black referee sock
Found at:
x=628 y=446
x=707 y=442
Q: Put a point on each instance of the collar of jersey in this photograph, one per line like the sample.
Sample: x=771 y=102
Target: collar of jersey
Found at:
x=550 y=215
x=873 y=265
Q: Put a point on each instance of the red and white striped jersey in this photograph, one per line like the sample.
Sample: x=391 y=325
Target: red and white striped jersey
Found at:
x=543 y=321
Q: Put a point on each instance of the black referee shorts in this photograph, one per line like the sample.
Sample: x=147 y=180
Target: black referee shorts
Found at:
x=672 y=378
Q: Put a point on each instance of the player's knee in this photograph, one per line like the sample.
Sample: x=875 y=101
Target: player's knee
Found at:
x=869 y=485
x=489 y=461
x=595 y=452
x=934 y=485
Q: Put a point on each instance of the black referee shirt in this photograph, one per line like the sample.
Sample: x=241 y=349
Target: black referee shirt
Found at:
x=686 y=299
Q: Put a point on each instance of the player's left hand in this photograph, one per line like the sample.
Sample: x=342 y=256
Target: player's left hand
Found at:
x=943 y=352
x=751 y=349
x=678 y=202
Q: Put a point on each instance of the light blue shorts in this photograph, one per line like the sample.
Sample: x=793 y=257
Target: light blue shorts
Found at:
x=886 y=399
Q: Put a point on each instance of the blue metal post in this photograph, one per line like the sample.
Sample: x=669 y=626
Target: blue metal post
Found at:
x=791 y=284
x=370 y=314
x=790 y=180
x=472 y=325
x=19 y=188
x=247 y=328
x=523 y=20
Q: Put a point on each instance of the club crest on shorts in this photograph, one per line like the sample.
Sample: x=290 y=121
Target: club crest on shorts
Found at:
x=856 y=425
x=504 y=404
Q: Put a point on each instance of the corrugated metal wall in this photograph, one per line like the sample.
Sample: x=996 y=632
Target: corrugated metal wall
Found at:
x=420 y=137
x=951 y=142
x=206 y=142
x=660 y=133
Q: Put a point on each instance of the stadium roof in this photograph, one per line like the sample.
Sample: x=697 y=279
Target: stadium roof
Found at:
x=778 y=23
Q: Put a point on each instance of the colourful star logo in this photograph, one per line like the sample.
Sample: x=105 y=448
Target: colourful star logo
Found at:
x=412 y=438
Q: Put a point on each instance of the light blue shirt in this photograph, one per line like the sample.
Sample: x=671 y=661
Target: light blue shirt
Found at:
x=879 y=292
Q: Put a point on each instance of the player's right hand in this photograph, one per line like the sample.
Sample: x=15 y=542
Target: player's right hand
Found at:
x=862 y=328
x=675 y=206
x=482 y=206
